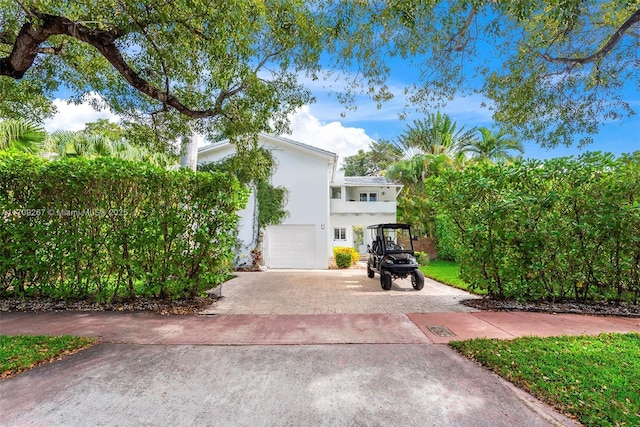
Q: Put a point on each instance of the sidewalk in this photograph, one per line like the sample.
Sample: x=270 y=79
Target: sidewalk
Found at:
x=308 y=329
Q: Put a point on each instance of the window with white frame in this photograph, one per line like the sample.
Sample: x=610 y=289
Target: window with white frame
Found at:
x=368 y=197
x=339 y=234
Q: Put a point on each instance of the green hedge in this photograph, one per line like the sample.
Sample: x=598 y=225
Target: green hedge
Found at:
x=447 y=237
x=566 y=228
x=112 y=229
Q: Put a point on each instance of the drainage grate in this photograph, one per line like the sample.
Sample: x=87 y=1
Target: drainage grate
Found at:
x=441 y=331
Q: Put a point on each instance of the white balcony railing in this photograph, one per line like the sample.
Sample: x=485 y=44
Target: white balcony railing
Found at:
x=342 y=206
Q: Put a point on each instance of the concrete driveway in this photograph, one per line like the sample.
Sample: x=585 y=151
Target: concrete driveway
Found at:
x=332 y=291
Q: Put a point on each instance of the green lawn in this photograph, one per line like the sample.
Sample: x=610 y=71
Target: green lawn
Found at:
x=448 y=272
x=20 y=353
x=595 y=379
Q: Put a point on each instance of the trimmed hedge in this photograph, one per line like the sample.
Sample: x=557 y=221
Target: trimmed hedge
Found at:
x=566 y=228
x=112 y=229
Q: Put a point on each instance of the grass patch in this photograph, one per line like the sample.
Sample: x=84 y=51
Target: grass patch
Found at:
x=448 y=272
x=594 y=379
x=23 y=352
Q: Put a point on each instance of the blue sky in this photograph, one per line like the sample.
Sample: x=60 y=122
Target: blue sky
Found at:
x=328 y=125
x=617 y=137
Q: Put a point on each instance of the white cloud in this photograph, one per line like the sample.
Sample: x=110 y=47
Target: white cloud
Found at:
x=332 y=136
x=73 y=117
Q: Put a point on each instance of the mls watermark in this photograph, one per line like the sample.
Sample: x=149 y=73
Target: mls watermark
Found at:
x=57 y=212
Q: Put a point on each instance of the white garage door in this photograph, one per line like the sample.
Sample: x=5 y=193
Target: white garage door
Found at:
x=291 y=246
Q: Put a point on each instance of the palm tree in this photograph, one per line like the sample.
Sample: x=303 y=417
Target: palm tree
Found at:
x=82 y=144
x=492 y=147
x=436 y=134
x=21 y=135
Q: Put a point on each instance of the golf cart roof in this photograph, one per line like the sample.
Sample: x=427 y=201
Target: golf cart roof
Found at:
x=390 y=225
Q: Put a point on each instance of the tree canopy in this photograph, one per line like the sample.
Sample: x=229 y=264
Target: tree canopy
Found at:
x=374 y=161
x=549 y=70
x=232 y=64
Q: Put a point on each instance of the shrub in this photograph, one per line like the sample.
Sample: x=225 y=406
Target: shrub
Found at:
x=345 y=256
x=112 y=229
x=447 y=238
x=422 y=258
x=565 y=228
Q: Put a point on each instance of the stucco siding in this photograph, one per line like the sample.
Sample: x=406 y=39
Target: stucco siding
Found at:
x=348 y=221
x=305 y=173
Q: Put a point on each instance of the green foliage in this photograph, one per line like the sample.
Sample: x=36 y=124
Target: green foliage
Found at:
x=594 y=379
x=19 y=353
x=422 y=258
x=491 y=147
x=358 y=236
x=561 y=229
x=552 y=71
x=25 y=98
x=345 y=257
x=112 y=229
x=436 y=134
x=21 y=135
x=447 y=238
x=373 y=162
x=271 y=201
x=414 y=203
x=104 y=138
x=227 y=68
x=248 y=165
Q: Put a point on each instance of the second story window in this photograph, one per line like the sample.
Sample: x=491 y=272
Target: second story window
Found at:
x=368 y=197
x=336 y=193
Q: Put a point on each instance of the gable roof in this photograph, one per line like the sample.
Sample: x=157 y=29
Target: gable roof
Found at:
x=278 y=140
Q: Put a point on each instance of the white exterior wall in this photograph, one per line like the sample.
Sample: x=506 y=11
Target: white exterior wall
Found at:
x=305 y=172
x=306 y=179
x=349 y=221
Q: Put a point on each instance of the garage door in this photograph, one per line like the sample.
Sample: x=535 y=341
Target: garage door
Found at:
x=291 y=246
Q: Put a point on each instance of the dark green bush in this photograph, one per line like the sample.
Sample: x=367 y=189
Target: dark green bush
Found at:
x=112 y=229
x=447 y=237
x=561 y=229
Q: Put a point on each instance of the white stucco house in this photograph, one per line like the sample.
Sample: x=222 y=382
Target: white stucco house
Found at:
x=357 y=202
x=325 y=209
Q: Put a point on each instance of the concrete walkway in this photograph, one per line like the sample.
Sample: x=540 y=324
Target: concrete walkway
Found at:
x=325 y=348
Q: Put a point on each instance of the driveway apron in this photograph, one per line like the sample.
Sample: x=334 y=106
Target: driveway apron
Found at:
x=326 y=348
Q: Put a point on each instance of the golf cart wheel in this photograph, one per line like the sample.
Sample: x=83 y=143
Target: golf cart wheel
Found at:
x=370 y=272
x=417 y=280
x=385 y=280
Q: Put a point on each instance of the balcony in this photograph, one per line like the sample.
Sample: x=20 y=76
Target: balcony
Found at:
x=348 y=207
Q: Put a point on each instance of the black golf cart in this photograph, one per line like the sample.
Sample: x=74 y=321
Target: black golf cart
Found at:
x=391 y=255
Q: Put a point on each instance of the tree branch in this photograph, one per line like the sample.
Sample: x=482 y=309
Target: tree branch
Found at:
x=27 y=46
x=461 y=44
x=604 y=50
